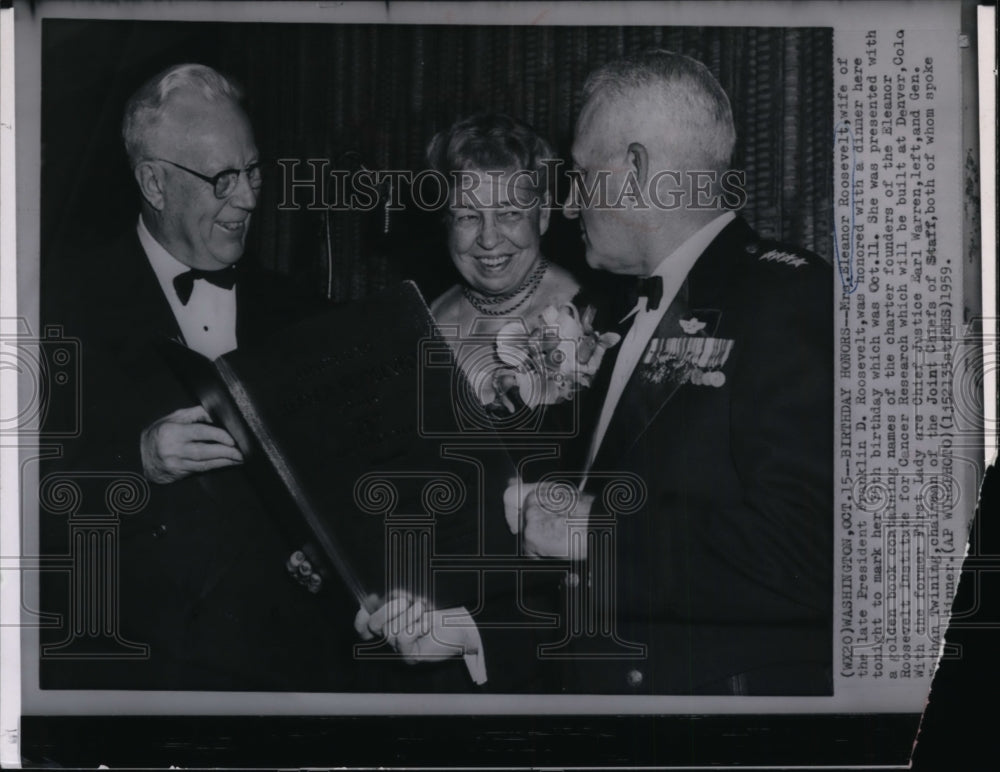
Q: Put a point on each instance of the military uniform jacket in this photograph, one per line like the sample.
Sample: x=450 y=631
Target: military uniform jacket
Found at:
x=710 y=560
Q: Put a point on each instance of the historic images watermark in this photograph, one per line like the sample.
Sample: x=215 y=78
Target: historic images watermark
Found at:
x=316 y=185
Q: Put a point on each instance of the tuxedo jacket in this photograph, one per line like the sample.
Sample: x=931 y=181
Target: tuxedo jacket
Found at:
x=710 y=561
x=201 y=576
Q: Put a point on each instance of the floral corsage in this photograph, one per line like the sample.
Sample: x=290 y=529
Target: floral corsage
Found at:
x=547 y=362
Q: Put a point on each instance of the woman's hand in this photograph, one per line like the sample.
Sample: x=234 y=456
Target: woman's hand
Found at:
x=420 y=633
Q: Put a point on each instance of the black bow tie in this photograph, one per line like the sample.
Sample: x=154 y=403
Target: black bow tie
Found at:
x=184 y=282
x=651 y=289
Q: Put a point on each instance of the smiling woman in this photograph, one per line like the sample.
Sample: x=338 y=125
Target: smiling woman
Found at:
x=498 y=210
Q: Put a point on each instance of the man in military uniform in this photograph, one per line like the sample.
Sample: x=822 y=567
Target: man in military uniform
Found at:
x=718 y=413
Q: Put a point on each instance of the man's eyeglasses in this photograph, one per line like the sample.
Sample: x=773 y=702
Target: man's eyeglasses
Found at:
x=225 y=182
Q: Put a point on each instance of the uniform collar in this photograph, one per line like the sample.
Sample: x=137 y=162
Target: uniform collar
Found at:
x=675 y=267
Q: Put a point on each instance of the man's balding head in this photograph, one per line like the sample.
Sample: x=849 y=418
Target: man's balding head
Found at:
x=653 y=140
x=670 y=102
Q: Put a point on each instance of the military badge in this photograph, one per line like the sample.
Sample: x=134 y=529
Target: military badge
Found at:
x=692 y=326
x=695 y=360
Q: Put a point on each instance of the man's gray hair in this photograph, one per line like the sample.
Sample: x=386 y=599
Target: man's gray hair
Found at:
x=146 y=107
x=686 y=92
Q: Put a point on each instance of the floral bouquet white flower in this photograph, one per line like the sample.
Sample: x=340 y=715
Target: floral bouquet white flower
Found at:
x=549 y=361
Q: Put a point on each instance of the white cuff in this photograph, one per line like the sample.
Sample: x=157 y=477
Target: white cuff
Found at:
x=475 y=657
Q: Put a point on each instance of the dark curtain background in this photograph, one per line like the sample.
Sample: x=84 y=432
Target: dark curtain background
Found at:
x=374 y=95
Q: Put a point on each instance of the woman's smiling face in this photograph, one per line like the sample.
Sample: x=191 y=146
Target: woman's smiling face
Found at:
x=495 y=226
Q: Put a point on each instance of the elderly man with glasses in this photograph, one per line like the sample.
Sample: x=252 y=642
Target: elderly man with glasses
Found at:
x=192 y=229
x=201 y=577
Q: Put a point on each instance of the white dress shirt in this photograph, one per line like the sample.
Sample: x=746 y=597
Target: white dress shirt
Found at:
x=208 y=320
x=673 y=270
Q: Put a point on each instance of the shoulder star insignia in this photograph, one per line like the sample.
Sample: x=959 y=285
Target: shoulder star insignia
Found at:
x=777 y=256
